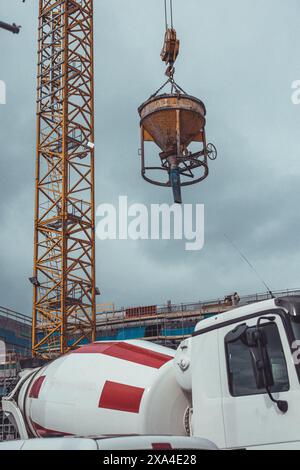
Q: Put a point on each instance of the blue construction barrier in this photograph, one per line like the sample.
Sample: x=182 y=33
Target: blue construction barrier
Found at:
x=11 y=338
x=178 y=331
x=124 y=334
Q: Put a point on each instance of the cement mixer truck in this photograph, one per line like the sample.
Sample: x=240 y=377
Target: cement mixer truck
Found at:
x=233 y=385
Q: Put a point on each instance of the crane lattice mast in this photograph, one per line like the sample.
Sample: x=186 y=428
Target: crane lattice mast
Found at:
x=64 y=251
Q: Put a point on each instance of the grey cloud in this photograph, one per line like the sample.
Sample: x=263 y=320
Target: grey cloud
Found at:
x=240 y=58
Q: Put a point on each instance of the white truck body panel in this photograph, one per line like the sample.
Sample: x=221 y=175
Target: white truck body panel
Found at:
x=116 y=443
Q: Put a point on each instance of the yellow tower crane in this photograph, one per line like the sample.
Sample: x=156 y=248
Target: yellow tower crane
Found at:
x=63 y=280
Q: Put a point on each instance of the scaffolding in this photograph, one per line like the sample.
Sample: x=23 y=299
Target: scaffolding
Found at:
x=9 y=377
x=171 y=323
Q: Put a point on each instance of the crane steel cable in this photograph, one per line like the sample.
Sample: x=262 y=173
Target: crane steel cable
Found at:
x=171 y=11
x=171 y=14
x=166 y=15
x=249 y=264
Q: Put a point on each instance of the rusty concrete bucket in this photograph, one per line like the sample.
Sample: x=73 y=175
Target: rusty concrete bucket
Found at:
x=173 y=122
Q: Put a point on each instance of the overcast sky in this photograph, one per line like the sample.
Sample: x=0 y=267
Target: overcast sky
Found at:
x=240 y=57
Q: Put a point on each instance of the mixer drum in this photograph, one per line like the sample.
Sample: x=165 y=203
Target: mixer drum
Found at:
x=106 y=389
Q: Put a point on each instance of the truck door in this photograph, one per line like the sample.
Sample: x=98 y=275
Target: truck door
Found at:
x=251 y=418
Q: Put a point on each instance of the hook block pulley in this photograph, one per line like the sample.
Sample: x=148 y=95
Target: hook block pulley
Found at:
x=170 y=50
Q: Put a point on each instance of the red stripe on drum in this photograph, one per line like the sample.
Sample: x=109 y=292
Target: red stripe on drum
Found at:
x=36 y=387
x=44 y=432
x=120 y=397
x=127 y=352
x=161 y=446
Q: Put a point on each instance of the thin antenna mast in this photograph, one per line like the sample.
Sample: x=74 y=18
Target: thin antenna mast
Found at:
x=250 y=265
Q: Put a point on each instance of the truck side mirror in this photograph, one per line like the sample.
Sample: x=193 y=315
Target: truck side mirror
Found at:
x=263 y=364
x=257 y=342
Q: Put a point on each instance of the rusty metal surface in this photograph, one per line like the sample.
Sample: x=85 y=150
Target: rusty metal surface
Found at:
x=170 y=50
x=160 y=120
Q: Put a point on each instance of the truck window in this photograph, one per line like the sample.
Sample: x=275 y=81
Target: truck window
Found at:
x=241 y=375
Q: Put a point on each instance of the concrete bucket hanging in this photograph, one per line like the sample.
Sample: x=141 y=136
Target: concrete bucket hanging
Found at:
x=175 y=123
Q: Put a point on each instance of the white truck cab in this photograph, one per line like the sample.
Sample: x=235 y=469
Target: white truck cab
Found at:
x=242 y=370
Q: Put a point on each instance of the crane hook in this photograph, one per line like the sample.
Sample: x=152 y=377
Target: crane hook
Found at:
x=170 y=51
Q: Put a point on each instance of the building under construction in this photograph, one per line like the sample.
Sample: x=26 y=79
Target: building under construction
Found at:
x=165 y=324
